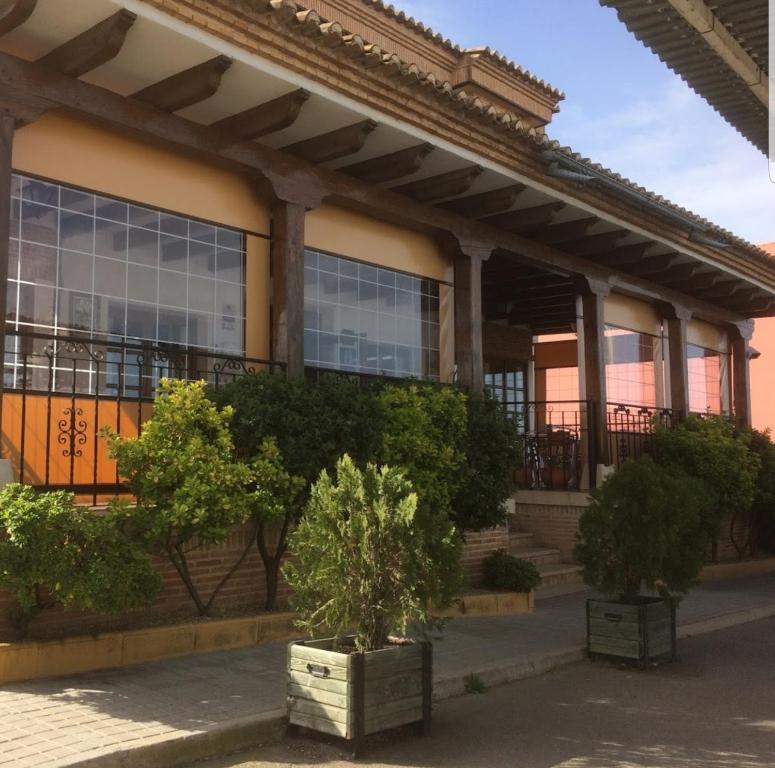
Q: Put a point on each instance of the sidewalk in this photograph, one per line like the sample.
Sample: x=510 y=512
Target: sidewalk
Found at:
x=168 y=712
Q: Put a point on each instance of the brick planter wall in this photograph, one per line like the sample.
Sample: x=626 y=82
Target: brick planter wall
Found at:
x=476 y=548
x=551 y=516
x=244 y=592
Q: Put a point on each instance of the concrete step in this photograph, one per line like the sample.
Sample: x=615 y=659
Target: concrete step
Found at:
x=537 y=555
x=521 y=540
x=560 y=579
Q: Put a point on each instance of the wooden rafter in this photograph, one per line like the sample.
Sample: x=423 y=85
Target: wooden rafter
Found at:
x=188 y=87
x=723 y=289
x=333 y=145
x=681 y=274
x=390 y=167
x=704 y=280
x=486 y=203
x=654 y=265
x=13 y=13
x=438 y=187
x=595 y=245
x=92 y=48
x=525 y=219
x=565 y=231
x=626 y=254
x=270 y=117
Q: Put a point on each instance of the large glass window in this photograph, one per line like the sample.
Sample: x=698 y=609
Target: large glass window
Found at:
x=708 y=379
x=633 y=366
x=94 y=266
x=365 y=319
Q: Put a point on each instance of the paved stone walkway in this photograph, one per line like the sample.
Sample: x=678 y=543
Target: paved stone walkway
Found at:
x=51 y=723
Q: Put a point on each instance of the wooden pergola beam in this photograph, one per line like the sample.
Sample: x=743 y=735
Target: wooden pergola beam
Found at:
x=439 y=187
x=390 y=167
x=333 y=145
x=525 y=219
x=188 y=87
x=33 y=88
x=555 y=234
x=486 y=203
x=92 y=48
x=13 y=13
x=270 y=117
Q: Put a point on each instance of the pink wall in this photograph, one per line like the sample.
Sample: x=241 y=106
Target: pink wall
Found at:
x=763 y=369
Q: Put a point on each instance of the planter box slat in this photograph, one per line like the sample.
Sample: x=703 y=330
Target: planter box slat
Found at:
x=335 y=673
x=643 y=631
x=305 y=706
x=358 y=694
x=318 y=695
x=321 y=725
x=297 y=677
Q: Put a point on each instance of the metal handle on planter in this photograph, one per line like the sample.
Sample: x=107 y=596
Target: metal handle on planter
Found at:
x=318 y=670
x=615 y=617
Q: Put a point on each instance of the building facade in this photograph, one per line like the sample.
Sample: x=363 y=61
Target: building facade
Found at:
x=205 y=188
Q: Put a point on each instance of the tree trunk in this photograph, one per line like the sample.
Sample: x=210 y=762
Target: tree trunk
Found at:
x=272 y=560
x=177 y=556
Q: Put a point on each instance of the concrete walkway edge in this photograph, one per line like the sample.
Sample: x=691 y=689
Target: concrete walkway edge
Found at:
x=250 y=732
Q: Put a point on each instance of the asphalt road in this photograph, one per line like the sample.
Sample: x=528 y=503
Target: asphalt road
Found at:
x=714 y=708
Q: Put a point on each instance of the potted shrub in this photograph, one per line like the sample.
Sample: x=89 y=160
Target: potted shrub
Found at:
x=642 y=542
x=362 y=572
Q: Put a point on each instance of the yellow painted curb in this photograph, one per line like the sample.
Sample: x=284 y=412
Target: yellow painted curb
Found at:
x=33 y=660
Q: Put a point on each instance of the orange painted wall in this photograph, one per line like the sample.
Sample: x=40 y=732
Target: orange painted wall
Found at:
x=763 y=369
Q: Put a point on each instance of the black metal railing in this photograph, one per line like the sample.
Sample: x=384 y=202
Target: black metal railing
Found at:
x=556 y=440
x=631 y=429
x=59 y=392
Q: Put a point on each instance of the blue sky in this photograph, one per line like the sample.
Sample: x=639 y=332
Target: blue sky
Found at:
x=623 y=108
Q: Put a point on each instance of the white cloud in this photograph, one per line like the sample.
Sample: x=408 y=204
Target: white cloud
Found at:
x=674 y=144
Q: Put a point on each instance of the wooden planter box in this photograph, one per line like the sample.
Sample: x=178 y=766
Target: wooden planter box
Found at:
x=642 y=630
x=352 y=695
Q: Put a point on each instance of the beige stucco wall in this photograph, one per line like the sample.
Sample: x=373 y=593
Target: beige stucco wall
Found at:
x=706 y=335
x=351 y=234
x=73 y=152
x=626 y=312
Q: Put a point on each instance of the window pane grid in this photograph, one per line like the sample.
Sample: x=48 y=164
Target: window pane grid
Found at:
x=368 y=319
x=94 y=264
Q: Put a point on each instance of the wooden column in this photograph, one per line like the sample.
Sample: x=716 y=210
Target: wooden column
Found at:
x=469 y=355
x=740 y=336
x=677 y=318
x=288 y=285
x=7 y=127
x=593 y=294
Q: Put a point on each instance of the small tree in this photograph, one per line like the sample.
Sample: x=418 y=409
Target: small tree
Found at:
x=763 y=510
x=492 y=453
x=78 y=558
x=312 y=424
x=709 y=449
x=361 y=559
x=644 y=528
x=189 y=487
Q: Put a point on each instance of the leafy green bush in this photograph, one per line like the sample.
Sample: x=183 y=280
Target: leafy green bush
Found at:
x=80 y=559
x=182 y=470
x=503 y=571
x=361 y=559
x=312 y=423
x=763 y=510
x=709 y=449
x=492 y=452
x=423 y=433
x=645 y=527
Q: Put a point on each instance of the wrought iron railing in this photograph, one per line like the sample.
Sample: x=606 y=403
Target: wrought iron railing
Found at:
x=556 y=440
x=59 y=392
x=631 y=429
